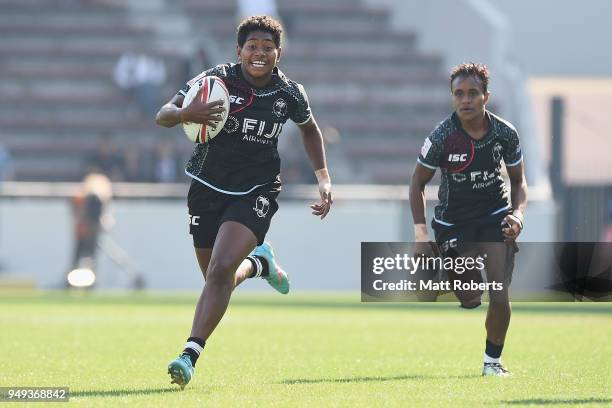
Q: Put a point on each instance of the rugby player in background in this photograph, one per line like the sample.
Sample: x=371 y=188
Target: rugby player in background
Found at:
x=235 y=176
x=475 y=214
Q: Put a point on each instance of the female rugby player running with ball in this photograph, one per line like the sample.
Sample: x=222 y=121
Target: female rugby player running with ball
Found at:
x=235 y=176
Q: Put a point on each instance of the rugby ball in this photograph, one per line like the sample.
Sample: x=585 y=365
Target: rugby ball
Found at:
x=214 y=90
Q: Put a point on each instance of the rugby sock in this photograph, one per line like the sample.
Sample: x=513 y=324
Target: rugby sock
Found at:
x=193 y=348
x=260 y=266
x=493 y=352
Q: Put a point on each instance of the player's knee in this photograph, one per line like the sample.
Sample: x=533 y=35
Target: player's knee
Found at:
x=221 y=271
x=219 y=280
x=500 y=298
x=469 y=299
x=471 y=303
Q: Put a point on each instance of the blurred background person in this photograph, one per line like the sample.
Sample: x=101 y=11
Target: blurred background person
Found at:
x=125 y=77
x=90 y=210
x=106 y=159
x=194 y=63
x=6 y=164
x=140 y=75
x=166 y=162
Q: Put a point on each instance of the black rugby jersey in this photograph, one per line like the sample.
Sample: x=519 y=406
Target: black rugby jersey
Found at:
x=476 y=188
x=244 y=155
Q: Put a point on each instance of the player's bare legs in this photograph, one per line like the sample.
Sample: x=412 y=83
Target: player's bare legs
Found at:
x=499 y=264
x=203 y=256
x=224 y=267
x=243 y=272
x=219 y=266
x=498 y=321
x=234 y=242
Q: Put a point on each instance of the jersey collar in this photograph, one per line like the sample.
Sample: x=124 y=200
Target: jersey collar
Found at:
x=457 y=123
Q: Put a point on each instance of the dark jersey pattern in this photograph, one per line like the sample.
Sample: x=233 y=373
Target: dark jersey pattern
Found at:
x=474 y=189
x=244 y=155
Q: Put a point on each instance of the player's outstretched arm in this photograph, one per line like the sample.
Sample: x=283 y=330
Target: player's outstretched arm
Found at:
x=173 y=112
x=313 y=144
x=420 y=177
x=518 y=196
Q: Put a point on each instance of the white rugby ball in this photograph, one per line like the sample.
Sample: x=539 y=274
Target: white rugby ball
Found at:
x=214 y=90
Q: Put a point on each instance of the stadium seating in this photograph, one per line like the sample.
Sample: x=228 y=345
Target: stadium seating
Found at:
x=57 y=96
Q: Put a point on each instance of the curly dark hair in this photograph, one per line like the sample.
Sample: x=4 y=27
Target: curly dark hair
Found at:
x=259 y=23
x=480 y=71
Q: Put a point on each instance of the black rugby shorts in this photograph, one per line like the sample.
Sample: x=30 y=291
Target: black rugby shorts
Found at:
x=461 y=235
x=478 y=237
x=208 y=209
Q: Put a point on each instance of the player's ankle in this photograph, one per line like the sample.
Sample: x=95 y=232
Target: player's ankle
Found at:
x=260 y=266
x=193 y=349
x=493 y=352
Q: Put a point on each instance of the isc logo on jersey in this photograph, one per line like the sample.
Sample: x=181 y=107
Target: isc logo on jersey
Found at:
x=238 y=100
x=457 y=158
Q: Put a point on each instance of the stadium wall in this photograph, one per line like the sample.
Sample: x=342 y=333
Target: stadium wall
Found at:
x=36 y=241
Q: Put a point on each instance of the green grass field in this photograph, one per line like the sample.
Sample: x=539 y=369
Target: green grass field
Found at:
x=302 y=350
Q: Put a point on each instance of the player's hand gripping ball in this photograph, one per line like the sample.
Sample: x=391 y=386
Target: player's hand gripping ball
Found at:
x=200 y=99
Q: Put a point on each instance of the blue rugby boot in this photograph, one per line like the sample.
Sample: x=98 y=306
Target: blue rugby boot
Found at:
x=277 y=277
x=181 y=370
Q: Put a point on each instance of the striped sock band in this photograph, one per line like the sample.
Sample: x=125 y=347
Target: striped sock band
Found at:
x=193 y=348
x=489 y=359
x=257 y=266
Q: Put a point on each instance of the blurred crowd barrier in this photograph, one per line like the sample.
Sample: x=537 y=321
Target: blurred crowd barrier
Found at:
x=151 y=225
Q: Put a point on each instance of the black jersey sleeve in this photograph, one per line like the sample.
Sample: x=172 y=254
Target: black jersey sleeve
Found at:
x=512 y=152
x=300 y=110
x=431 y=150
